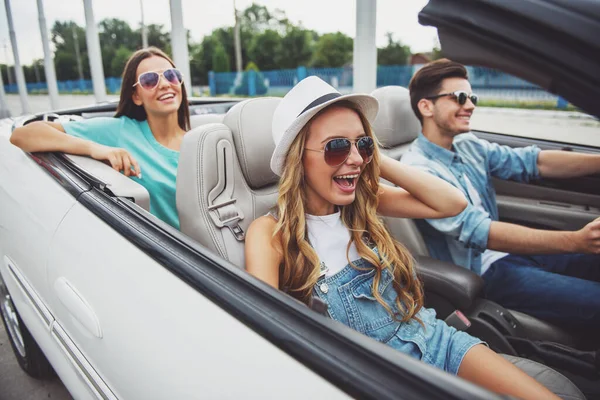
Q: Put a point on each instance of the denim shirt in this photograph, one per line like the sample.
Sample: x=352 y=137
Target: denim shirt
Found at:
x=461 y=239
x=348 y=294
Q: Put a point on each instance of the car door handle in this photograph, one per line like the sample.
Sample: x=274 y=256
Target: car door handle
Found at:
x=77 y=306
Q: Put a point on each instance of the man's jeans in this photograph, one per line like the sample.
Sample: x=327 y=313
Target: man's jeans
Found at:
x=563 y=289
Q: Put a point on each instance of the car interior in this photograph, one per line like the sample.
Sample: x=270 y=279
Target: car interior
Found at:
x=225 y=182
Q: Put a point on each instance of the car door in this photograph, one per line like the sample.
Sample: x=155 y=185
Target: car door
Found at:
x=33 y=202
x=137 y=331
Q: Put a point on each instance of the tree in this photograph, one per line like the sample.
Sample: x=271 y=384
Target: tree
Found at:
x=333 y=50
x=296 y=48
x=115 y=34
x=220 y=62
x=118 y=62
x=63 y=36
x=157 y=37
x=265 y=49
x=394 y=53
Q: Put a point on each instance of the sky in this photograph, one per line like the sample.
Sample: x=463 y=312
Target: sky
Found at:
x=202 y=16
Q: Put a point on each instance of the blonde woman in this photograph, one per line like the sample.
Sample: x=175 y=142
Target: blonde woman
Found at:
x=325 y=237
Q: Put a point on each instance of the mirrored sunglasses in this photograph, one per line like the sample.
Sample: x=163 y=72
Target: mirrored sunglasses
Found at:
x=149 y=80
x=460 y=96
x=337 y=151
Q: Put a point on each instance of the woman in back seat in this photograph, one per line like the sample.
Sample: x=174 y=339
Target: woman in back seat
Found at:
x=325 y=239
x=143 y=137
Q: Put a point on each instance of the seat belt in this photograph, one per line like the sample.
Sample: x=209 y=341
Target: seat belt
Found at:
x=221 y=204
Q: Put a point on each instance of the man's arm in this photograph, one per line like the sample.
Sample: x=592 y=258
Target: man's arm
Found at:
x=513 y=238
x=567 y=164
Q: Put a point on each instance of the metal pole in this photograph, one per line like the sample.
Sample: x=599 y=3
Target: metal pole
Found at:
x=365 y=48
x=77 y=53
x=36 y=72
x=144 y=30
x=4 y=111
x=179 y=43
x=237 y=42
x=18 y=70
x=93 y=45
x=48 y=62
x=8 y=74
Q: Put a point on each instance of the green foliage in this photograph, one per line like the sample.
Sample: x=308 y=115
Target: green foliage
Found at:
x=220 y=61
x=296 y=48
x=264 y=49
x=333 y=50
x=394 y=53
x=251 y=67
x=117 y=64
x=68 y=38
x=268 y=39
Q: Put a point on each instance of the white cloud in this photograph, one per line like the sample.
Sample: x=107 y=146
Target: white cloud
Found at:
x=202 y=16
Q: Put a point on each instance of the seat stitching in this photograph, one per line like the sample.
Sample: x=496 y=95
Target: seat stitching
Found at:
x=204 y=204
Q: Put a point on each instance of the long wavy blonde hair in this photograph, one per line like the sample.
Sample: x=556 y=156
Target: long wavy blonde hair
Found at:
x=300 y=269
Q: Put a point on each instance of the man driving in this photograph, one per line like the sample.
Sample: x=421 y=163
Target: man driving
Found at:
x=552 y=275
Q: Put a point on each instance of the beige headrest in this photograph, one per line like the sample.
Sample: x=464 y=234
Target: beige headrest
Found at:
x=250 y=122
x=396 y=124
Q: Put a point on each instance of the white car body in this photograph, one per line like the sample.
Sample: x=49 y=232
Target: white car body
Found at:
x=112 y=321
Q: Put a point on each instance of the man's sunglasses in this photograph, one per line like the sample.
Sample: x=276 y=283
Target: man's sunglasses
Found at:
x=149 y=80
x=460 y=96
x=337 y=151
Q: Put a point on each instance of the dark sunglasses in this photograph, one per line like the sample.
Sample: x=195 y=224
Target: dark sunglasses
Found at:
x=337 y=151
x=460 y=96
x=149 y=80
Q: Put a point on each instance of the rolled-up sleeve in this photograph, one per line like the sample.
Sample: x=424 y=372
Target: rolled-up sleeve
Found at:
x=471 y=227
x=518 y=164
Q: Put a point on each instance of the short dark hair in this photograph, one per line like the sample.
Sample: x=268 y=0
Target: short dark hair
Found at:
x=126 y=105
x=428 y=80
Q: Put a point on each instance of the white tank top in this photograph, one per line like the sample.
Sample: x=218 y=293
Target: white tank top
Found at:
x=329 y=237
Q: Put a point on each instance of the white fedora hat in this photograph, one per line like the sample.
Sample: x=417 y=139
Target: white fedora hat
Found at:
x=300 y=104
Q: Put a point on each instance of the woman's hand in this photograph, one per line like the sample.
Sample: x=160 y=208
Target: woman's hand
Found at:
x=119 y=159
x=418 y=194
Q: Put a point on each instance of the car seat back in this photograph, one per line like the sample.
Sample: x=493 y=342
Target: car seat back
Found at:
x=396 y=126
x=224 y=181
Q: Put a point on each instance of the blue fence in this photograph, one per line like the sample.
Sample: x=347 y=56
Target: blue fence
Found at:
x=490 y=84
x=113 y=85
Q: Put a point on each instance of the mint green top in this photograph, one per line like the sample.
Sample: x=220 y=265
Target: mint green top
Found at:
x=157 y=163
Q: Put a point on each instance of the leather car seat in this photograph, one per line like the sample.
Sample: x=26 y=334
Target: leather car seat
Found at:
x=224 y=181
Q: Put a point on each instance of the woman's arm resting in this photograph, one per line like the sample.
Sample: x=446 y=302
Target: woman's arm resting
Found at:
x=49 y=136
x=263 y=251
x=419 y=195
x=485 y=368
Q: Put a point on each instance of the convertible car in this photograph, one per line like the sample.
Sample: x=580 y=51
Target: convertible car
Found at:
x=118 y=304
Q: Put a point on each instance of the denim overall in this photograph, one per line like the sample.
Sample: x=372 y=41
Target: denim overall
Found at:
x=350 y=300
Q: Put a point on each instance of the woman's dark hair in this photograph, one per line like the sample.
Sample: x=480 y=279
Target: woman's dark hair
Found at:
x=126 y=105
x=428 y=80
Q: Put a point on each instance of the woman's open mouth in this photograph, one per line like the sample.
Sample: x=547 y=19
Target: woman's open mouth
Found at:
x=346 y=183
x=167 y=97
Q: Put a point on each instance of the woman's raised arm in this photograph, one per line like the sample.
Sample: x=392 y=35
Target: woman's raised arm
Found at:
x=418 y=195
